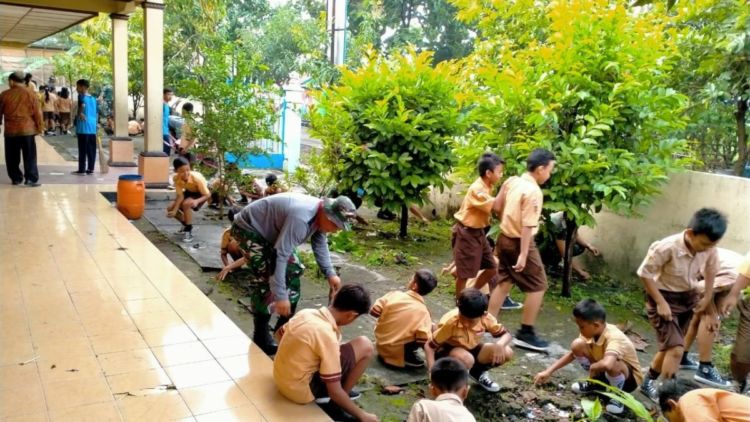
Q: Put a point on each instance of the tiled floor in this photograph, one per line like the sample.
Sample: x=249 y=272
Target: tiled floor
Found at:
x=96 y=324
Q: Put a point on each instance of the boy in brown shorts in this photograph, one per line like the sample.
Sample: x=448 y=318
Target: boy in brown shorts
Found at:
x=471 y=251
x=459 y=335
x=740 y=360
x=520 y=205
x=602 y=350
x=311 y=365
x=670 y=274
x=724 y=280
x=404 y=322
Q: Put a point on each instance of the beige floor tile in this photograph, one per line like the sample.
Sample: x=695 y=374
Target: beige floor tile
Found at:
x=127 y=361
x=86 y=284
x=12 y=376
x=68 y=367
x=196 y=374
x=49 y=347
x=164 y=336
x=147 y=381
x=36 y=417
x=228 y=346
x=179 y=354
x=98 y=412
x=128 y=340
x=78 y=392
x=16 y=350
x=140 y=306
x=214 y=397
x=155 y=407
x=153 y=320
x=254 y=362
x=135 y=292
x=274 y=407
x=108 y=322
x=24 y=399
x=238 y=414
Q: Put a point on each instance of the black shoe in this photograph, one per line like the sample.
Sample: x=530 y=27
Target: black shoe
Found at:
x=707 y=374
x=386 y=215
x=688 y=363
x=16 y=182
x=484 y=381
x=648 y=388
x=78 y=173
x=412 y=360
x=32 y=184
x=89 y=172
x=510 y=304
x=583 y=387
x=529 y=340
x=354 y=395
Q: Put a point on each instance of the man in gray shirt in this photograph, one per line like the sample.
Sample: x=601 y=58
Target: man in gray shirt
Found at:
x=268 y=231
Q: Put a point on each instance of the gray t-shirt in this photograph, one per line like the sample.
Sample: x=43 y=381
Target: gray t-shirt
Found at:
x=287 y=220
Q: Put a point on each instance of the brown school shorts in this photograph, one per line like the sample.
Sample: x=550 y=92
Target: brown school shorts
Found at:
x=471 y=251
x=445 y=351
x=348 y=360
x=741 y=350
x=671 y=334
x=532 y=278
x=65 y=119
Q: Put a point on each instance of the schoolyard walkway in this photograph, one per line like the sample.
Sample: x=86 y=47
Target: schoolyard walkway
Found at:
x=97 y=324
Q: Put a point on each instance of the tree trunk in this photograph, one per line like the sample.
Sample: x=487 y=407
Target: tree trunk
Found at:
x=570 y=234
x=404 y=220
x=739 y=116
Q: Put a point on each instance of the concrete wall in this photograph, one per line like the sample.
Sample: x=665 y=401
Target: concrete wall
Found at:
x=625 y=241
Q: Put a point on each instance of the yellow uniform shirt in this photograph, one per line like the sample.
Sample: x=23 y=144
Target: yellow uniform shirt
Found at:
x=476 y=208
x=615 y=342
x=196 y=183
x=523 y=206
x=713 y=405
x=403 y=318
x=446 y=407
x=309 y=344
x=729 y=261
x=453 y=332
x=673 y=268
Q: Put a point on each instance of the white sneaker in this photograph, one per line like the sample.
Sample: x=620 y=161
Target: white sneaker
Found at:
x=486 y=382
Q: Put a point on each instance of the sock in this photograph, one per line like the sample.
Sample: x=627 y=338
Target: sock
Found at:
x=477 y=370
x=616 y=381
x=527 y=328
x=653 y=374
x=706 y=363
x=684 y=356
x=188 y=227
x=584 y=361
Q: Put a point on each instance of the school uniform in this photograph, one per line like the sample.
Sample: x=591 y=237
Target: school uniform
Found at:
x=471 y=250
x=714 y=405
x=523 y=208
x=403 y=319
x=309 y=356
x=447 y=407
x=195 y=187
x=675 y=271
x=451 y=332
x=612 y=341
x=741 y=350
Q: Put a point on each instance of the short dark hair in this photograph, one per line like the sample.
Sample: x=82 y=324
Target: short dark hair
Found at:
x=83 y=82
x=64 y=93
x=27 y=78
x=271 y=179
x=540 y=157
x=14 y=77
x=426 y=281
x=590 y=310
x=673 y=389
x=232 y=212
x=472 y=303
x=187 y=107
x=709 y=222
x=179 y=162
x=167 y=90
x=487 y=162
x=448 y=374
x=352 y=297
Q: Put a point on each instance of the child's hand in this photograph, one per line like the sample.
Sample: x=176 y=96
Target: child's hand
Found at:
x=498 y=354
x=542 y=377
x=520 y=264
x=171 y=214
x=223 y=274
x=369 y=417
x=662 y=309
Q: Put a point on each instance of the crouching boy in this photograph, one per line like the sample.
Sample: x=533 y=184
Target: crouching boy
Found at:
x=311 y=365
x=404 y=323
x=459 y=335
x=448 y=385
x=603 y=350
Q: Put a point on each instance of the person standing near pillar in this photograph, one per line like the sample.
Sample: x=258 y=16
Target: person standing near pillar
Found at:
x=86 y=120
x=21 y=116
x=520 y=262
x=166 y=137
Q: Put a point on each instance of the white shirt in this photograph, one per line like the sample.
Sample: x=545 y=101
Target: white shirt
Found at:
x=446 y=407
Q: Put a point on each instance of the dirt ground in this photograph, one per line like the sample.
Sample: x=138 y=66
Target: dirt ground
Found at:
x=376 y=257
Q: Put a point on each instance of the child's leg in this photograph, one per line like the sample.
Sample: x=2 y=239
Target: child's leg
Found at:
x=187 y=211
x=463 y=356
x=672 y=358
x=617 y=376
x=363 y=350
x=705 y=341
x=582 y=353
x=487 y=353
x=692 y=332
x=498 y=295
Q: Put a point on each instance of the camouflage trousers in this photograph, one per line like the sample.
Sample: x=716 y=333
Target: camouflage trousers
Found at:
x=261 y=262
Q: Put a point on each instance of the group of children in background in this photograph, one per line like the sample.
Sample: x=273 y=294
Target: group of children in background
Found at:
x=689 y=282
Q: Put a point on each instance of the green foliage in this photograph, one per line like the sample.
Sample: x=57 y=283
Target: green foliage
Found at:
x=592 y=409
x=315 y=176
x=389 y=126
x=90 y=54
x=635 y=406
x=236 y=111
x=136 y=77
x=587 y=80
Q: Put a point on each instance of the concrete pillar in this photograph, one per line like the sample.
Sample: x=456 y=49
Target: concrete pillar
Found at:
x=153 y=164
x=120 y=72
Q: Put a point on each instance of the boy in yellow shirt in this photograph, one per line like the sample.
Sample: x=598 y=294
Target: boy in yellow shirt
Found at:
x=740 y=359
x=681 y=401
x=192 y=192
x=459 y=335
x=603 y=350
x=448 y=385
x=404 y=323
